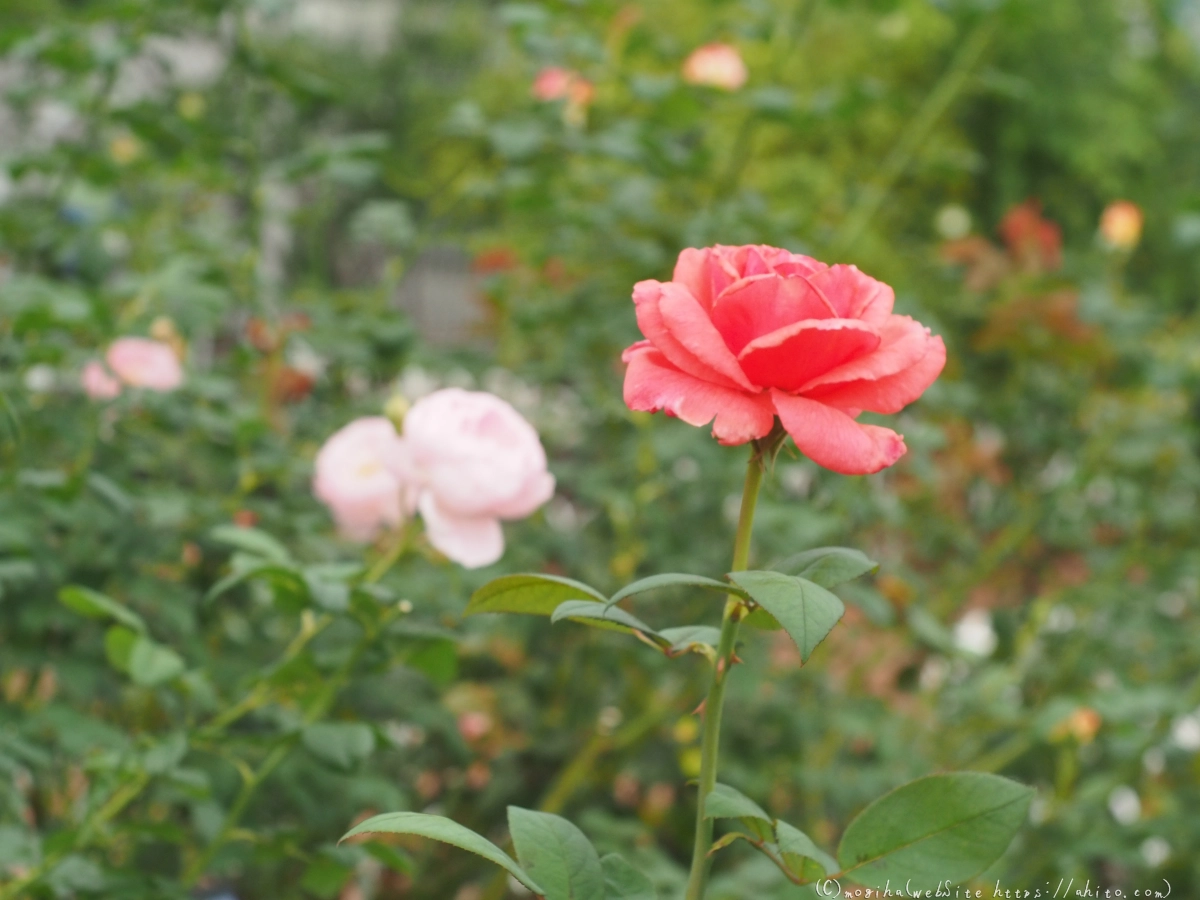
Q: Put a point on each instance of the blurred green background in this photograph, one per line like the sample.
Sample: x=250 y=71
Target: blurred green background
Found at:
x=326 y=203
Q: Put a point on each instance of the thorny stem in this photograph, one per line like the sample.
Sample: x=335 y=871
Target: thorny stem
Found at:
x=735 y=610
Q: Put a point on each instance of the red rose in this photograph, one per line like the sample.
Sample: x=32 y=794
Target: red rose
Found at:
x=741 y=335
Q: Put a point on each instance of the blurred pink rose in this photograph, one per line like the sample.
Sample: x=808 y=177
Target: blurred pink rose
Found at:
x=716 y=65
x=477 y=461
x=362 y=475
x=97 y=383
x=141 y=362
x=553 y=83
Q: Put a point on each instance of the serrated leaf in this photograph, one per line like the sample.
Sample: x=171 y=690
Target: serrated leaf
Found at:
x=152 y=664
x=828 y=566
x=536 y=595
x=655 y=582
x=938 y=829
x=724 y=802
x=806 y=611
x=801 y=855
x=439 y=828
x=763 y=620
x=600 y=615
x=557 y=854
x=623 y=882
x=342 y=745
x=95 y=605
x=253 y=541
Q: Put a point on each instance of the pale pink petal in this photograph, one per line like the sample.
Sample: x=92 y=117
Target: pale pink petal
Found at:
x=904 y=343
x=830 y=438
x=471 y=543
x=97 y=383
x=538 y=489
x=693 y=329
x=653 y=384
x=794 y=355
x=891 y=393
x=762 y=304
x=141 y=362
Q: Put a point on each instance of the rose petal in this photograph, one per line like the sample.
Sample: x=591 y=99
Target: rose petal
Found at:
x=855 y=295
x=904 y=343
x=762 y=304
x=891 y=393
x=830 y=438
x=693 y=329
x=793 y=356
x=652 y=383
x=648 y=296
x=691 y=270
x=538 y=489
x=471 y=543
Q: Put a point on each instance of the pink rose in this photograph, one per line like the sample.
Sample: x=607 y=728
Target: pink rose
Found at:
x=553 y=83
x=716 y=65
x=97 y=383
x=744 y=334
x=141 y=362
x=477 y=461
x=362 y=475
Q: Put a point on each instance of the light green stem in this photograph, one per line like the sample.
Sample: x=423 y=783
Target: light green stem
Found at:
x=734 y=610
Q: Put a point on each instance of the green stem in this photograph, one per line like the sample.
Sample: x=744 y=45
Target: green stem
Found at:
x=734 y=611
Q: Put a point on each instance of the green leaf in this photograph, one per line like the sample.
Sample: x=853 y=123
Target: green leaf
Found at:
x=763 y=620
x=828 y=566
x=152 y=664
x=282 y=578
x=536 y=595
x=95 y=605
x=342 y=745
x=623 y=882
x=801 y=855
x=806 y=611
x=654 y=582
x=447 y=831
x=557 y=854
x=253 y=541
x=118 y=646
x=725 y=802
x=937 y=829
x=600 y=615
x=701 y=638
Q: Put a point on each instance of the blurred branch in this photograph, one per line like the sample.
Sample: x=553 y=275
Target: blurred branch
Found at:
x=914 y=136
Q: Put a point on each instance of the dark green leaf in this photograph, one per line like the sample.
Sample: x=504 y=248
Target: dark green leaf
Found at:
x=828 y=566
x=342 y=745
x=95 y=605
x=557 y=854
x=537 y=595
x=623 y=882
x=942 y=828
x=806 y=611
x=654 y=582
x=447 y=831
